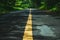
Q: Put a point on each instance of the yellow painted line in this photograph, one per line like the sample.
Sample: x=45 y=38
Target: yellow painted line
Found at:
x=28 y=29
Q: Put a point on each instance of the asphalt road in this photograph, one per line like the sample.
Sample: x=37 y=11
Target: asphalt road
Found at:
x=44 y=26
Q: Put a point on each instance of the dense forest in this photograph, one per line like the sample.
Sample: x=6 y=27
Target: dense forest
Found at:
x=12 y=5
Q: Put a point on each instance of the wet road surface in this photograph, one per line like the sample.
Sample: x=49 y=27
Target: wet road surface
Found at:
x=44 y=27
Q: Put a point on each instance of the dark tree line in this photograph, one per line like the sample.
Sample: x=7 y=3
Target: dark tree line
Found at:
x=52 y=3
x=7 y=4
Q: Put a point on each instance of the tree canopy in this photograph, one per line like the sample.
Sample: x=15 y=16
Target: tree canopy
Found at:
x=11 y=5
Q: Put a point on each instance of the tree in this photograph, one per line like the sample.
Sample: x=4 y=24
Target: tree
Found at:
x=22 y=4
x=6 y=5
x=51 y=4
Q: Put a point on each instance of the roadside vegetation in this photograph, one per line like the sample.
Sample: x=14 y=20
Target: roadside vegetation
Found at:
x=13 y=5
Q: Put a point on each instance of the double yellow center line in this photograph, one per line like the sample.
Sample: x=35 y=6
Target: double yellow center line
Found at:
x=28 y=28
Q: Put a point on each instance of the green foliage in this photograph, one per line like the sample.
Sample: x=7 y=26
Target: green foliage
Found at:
x=6 y=5
x=52 y=4
x=12 y=5
x=43 y=6
x=20 y=4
